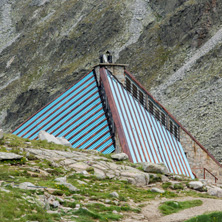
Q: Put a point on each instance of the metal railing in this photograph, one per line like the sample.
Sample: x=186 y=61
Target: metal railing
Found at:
x=210 y=174
x=204 y=173
x=151 y=106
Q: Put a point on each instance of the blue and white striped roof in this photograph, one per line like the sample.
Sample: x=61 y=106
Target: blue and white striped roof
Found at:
x=143 y=137
x=77 y=115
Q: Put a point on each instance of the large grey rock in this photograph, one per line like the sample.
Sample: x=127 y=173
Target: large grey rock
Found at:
x=157 y=190
x=99 y=174
x=43 y=135
x=27 y=186
x=120 y=156
x=155 y=168
x=136 y=177
x=70 y=187
x=64 y=141
x=1 y=134
x=214 y=191
x=61 y=180
x=114 y=194
x=196 y=185
x=9 y=156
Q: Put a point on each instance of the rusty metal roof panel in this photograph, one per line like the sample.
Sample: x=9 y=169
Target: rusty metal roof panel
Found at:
x=77 y=115
x=147 y=139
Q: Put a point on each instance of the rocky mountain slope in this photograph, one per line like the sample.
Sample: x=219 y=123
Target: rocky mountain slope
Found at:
x=173 y=47
x=42 y=181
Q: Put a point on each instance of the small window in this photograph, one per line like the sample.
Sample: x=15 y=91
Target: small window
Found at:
x=135 y=91
x=175 y=131
x=128 y=85
x=151 y=107
x=157 y=114
x=163 y=119
x=141 y=97
x=171 y=127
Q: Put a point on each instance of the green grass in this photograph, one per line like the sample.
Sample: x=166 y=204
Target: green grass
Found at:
x=90 y=215
x=13 y=206
x=170 y=207
x=212 y=217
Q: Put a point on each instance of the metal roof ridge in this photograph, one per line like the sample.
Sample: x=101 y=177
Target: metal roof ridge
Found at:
x=114 y=111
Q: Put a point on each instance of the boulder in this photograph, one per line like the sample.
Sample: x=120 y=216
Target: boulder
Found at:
x=61 y=180
x=119 y=156
x=114 y=194
x=43 y=135
x=99 y=174
x=70 y=187
x=157 y=190
x=155 y=168
x=214 y=191
x=27 y=186
x=196 y=185
x=1 y=134
x=9 y=156
x=64 y=141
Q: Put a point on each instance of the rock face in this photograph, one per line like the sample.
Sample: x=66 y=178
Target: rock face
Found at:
x=173 y=47
x=88 y=162
x=1 y=134
x=9 y=156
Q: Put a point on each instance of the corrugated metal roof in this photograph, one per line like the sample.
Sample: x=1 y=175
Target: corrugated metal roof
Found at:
x=146 y=139
x=77 y=115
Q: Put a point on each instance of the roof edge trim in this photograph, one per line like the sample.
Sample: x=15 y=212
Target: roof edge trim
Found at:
x=51 y=101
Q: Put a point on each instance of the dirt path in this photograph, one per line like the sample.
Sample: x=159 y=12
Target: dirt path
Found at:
x=150 y=213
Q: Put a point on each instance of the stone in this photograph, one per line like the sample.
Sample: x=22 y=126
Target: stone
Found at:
x=84 y=172
x=52 y=202
x=136 y=177
x=214 y=191
x=115 y=212
x=99 y=174
x=107 y=201
x=157 y=190
x=52 y=212
x=120 y=156
x=61 y=179
x=70 y=187
x=114 y=194
x=9 y=156
x=116 y=202
x=4 y=190
x=155 y=168
x=27 y=186
x=80 y=166
x=64 y=141
x=81 y=182
x=1 y=134
x=164 y=178
x=43 y=135
x=44 y=173
x=196 y=185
